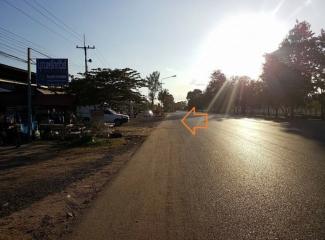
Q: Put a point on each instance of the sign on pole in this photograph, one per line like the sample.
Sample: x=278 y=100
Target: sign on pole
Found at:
x=52 y=72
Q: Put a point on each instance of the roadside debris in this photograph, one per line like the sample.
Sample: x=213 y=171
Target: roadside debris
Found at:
x=5 y=204
x=115 y=134
x=70 y=215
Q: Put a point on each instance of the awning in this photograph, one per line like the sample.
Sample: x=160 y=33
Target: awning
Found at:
x=3 y=90
x=45 y=97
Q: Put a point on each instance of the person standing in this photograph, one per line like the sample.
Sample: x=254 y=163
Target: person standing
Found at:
x=18 y=134
x=17 y=130
x=3 y=129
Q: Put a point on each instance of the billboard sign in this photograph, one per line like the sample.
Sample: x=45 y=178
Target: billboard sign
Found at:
x=52 y=71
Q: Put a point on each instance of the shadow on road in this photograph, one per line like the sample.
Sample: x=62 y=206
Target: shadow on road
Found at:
x=309 y=128
x=175 y=116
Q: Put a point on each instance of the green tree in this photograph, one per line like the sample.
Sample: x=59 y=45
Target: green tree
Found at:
x=296 y=51
x=244 y=91
x=286 y=86
x=167 y=100
x=318 y=73
x=217 y=81
x=182 y=105
x=195 y=99
x=108 y=85
x=154 y=85
x=215 y=92
x=287 y=71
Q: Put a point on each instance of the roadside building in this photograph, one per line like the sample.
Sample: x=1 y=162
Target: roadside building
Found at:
x=48 y=104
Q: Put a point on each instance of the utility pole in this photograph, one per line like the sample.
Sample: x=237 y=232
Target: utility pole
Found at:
x=29 y=93
x=85 y=48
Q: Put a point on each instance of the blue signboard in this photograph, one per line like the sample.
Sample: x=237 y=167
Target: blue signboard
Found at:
x=52 y=72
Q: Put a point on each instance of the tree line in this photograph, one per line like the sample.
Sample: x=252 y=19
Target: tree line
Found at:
x=120 y=87
x=292 y=81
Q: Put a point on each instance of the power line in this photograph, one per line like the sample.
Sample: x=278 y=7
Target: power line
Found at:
x=20 y=47
x=99 y=59
x=12 y=41
x=14 y=34
x=46 y=55
x=11 y=36
x=55 y=18
x=43 y=54
x=51 y=19
x=78 y=35
x=22 y=53
x=11 y=51
x=19 y=59
x=12 y=48
x=5 y=32
x=8 y=55
x=37 y=21
x=6 y=44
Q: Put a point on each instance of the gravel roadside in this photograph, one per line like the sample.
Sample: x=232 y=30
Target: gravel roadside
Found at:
x=44 y=188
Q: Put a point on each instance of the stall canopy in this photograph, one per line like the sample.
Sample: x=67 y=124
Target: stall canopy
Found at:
x=46 y=97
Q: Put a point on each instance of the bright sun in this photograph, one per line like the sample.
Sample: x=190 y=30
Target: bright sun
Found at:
x=238 y=44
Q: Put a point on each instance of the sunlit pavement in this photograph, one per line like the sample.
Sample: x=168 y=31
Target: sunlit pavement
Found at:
x=239 y=179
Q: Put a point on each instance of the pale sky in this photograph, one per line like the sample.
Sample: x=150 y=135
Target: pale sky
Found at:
x=183 y=37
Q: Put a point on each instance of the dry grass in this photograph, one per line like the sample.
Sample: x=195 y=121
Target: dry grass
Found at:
x=45 y=185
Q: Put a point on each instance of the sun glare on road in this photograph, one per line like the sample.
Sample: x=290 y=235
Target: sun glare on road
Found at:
x=238 y=44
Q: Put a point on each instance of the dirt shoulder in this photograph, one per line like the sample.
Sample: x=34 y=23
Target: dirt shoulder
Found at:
x=44 y=186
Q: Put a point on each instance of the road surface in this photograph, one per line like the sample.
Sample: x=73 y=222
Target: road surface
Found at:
x=238 y=179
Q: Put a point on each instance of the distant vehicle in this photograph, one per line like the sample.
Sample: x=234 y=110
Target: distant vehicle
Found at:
x=110 y=116
x=150 y=113
x=106 y=115
x=146 y=114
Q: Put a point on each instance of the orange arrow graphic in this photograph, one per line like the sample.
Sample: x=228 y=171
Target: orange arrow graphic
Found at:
x=195 y=114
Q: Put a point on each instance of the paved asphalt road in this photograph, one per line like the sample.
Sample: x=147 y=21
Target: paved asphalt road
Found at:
x=238 y=179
